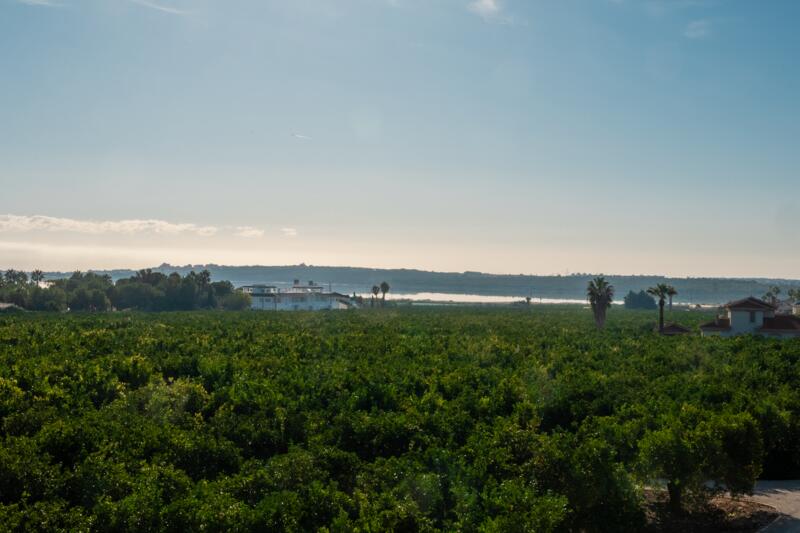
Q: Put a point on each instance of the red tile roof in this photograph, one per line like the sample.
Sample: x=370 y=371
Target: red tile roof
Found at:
x=781 y=323
x=750 y=303
x=718 y=324
x=675 y=329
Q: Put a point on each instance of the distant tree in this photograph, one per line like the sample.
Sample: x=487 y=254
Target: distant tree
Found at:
x=639 y=300
x=794 y=294
x=50 y=299
x=600 y=294
x=375 y=291
x=384 y=289
x=672 y=292
x=15 y=277
x=235 y=301
x=204 y=279
x=661 y=291
x=37 y=276
x=772 y=294
x=98 y=301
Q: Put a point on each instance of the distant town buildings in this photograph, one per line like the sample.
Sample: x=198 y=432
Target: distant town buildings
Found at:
x=752 y=316
x=299 y=297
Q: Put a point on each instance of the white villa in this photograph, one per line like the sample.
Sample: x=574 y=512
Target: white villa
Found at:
x=298 y=297
x=752 y=316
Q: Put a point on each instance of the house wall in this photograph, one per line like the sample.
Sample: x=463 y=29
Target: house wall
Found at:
x=262 y=303
x=296 y=302
x=740 y=322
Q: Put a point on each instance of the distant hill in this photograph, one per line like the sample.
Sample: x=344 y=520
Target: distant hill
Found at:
x=408 y=281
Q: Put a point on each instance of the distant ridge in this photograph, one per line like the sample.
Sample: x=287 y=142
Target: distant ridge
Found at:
x=409 y=281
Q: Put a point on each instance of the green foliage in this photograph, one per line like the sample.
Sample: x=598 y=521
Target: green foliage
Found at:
x=405 y=420
x=146 y=291
x=696 y=447
x=640 y=300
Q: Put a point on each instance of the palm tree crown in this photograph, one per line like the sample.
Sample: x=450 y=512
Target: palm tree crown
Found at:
x=600 y=294
x=662 y=291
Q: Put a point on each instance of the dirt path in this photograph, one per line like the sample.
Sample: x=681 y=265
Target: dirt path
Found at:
x=785 y=496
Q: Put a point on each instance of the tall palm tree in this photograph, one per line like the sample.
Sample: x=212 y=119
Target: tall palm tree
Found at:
x=375 y=291
x=772 y=295
x=662 y=291
x=672 y=292
x=37 y=276
x=600 y=294
x=794 y=294
x=384 y=289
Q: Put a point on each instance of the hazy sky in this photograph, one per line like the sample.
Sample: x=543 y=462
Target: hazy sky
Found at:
x=514 y=136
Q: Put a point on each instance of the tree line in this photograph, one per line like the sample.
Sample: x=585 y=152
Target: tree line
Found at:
x=146 y=291
x=600 y=294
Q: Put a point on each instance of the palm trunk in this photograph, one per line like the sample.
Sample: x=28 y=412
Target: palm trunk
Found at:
x=600 y=318
x=670 y=304
x=661 y=315
x=675 y=500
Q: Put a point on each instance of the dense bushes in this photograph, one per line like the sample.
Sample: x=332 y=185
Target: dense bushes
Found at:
x=639 y=300
x=413 y=420
x=146 y=291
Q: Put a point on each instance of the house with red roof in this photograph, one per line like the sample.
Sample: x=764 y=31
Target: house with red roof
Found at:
x=751 y=316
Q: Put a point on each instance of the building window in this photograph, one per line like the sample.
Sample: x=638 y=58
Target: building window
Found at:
x=752 y=317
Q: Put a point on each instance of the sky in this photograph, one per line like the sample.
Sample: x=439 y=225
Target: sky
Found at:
x=507 y=136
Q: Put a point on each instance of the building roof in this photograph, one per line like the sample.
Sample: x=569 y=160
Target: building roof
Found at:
x=675 y=329
x=720 y=324
x=750 y=304
x=781 y=323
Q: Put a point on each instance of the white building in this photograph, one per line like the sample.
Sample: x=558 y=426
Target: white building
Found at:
x=311 y=297
x=752 y=316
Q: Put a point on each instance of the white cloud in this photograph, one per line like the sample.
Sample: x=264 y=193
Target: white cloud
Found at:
x=47 y=3
x=248 y=232
x=159 y=7
x=697 y=29
x=485 y=8
x=289 y=232
x=22 y=223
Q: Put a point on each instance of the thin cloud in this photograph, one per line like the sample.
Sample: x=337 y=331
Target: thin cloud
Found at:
x=697 y=29
x=43 y=3
x=160 y=7
x=302 y=137
x=485 y=8
x=41 y=223
x=248 y=232
x=289 y=232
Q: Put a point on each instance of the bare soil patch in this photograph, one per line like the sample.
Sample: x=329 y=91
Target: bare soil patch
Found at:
x=719 y=514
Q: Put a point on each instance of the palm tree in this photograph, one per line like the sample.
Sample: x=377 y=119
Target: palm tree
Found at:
x=662 y=291
x=204 y=279
x=772 y=295
x=794 y=294
x=600 y=294
x=37 y=276
x=375 y=291
x=672 y=292
x=384 y=289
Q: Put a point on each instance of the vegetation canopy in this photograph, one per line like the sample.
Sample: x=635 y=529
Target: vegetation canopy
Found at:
x=407 y=420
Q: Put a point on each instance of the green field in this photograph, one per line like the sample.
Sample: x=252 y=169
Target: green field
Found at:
x=406 y=420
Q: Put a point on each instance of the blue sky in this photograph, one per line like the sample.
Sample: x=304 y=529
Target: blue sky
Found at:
x=521 y=136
